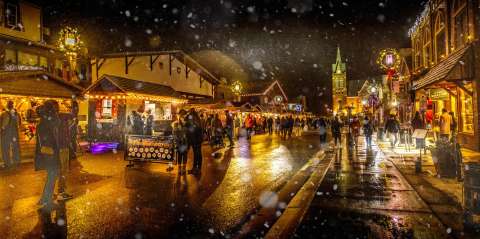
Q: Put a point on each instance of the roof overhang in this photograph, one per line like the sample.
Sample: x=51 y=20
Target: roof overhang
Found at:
x=454 y=67
x=37 y=84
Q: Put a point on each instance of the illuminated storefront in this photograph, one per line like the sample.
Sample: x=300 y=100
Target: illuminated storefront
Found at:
x=113 y=101
x=17 y=87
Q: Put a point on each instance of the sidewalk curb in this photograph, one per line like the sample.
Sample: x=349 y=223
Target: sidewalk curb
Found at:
x=286 y=192
x=291 y=218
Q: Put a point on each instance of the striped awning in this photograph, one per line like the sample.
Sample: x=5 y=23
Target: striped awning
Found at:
x=442 y=70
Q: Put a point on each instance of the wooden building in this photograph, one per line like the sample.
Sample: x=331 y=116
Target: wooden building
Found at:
x=445 y=67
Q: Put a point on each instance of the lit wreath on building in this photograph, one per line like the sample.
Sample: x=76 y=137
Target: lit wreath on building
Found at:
x=69 y=41
x=389 y=59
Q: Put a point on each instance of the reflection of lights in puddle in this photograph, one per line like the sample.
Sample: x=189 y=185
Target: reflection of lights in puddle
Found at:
x=279 y=161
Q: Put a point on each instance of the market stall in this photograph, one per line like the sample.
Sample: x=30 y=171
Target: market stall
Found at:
x=18 y=88
x=118 y=107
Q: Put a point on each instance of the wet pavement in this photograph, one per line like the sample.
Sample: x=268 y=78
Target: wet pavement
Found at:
x=364 y=196
x=112 y=201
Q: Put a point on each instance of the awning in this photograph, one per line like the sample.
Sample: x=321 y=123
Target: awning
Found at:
x=109 y=84
x=37 y=84
x=442 y=70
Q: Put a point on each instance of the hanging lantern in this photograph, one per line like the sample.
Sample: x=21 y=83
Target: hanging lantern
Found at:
x=237 y=87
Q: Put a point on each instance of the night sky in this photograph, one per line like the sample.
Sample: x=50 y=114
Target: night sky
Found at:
x=293 y=41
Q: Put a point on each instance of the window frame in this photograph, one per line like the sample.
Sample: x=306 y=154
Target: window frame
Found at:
x=427 y=46
x=459 y=15
x=7 y=15
x=438 y=31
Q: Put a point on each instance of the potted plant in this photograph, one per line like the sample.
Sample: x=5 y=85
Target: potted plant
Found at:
x=443 y=156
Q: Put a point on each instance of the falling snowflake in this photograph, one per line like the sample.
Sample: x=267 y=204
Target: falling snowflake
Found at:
x=268 y=199
x=257 y=65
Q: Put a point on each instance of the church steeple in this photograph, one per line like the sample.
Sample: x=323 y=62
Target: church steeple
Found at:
x=339 y=56
x=339 y=66
x=339 y=83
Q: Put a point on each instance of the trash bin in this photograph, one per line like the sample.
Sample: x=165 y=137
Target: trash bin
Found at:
x=471 y=193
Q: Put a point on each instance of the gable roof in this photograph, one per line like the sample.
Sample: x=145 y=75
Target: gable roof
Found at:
x=37 y=83
x=262 y=88
x=112 y=84
x=180 y=55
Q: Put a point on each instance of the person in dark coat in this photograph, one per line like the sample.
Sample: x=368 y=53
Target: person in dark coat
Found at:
x=47 y=150
x=229 y=127
x=148 y=125
x=194 y=138
x=138 y=124
x=336 y=128
x=9 y=125
x=181 y=142
x=417 y=122
x=322 y=126
x=270 y=125
x=392 y=127
x=368 y=131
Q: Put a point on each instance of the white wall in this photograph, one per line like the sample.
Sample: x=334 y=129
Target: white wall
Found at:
x=140 y=70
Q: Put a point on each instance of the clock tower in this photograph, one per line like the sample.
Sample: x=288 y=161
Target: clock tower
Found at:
x=339 y=83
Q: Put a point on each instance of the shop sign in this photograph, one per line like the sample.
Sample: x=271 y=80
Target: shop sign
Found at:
x=438 y=94
x=12 y=67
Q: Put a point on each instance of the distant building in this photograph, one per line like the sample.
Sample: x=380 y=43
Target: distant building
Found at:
x=339 y=83
x=268 y=96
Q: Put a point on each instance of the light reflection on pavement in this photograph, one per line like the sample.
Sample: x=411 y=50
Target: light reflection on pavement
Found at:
x=114 y=201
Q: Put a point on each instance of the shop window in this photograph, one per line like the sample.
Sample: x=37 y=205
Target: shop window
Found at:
x=106 y=108
x=12 y=16
x=59 y=68
x=43 y=62
x=10 y=57
x=466 y=111
x=440 y=37
x=27 y=59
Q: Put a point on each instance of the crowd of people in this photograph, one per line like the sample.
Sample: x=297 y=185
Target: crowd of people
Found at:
x=55 y=136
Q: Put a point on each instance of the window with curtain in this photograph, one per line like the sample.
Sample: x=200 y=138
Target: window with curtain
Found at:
x=460 y=20
x=440 y=37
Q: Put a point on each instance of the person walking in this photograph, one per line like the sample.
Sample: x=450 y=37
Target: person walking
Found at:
x=445 y=124
x=148 y=123
x=290 y=124
x=229 y=127
x=64 y=144
x=417 y=121
x=249 y=124
x=322 y=126
x=368 y=131
x=277 y=125
x=194 y=138
x=47 y=150
x=270 y=125
x=392 y=127
x=181 y=143
x=355 y=130
x=336 y=128
x=9 y=125
x=453 y=125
